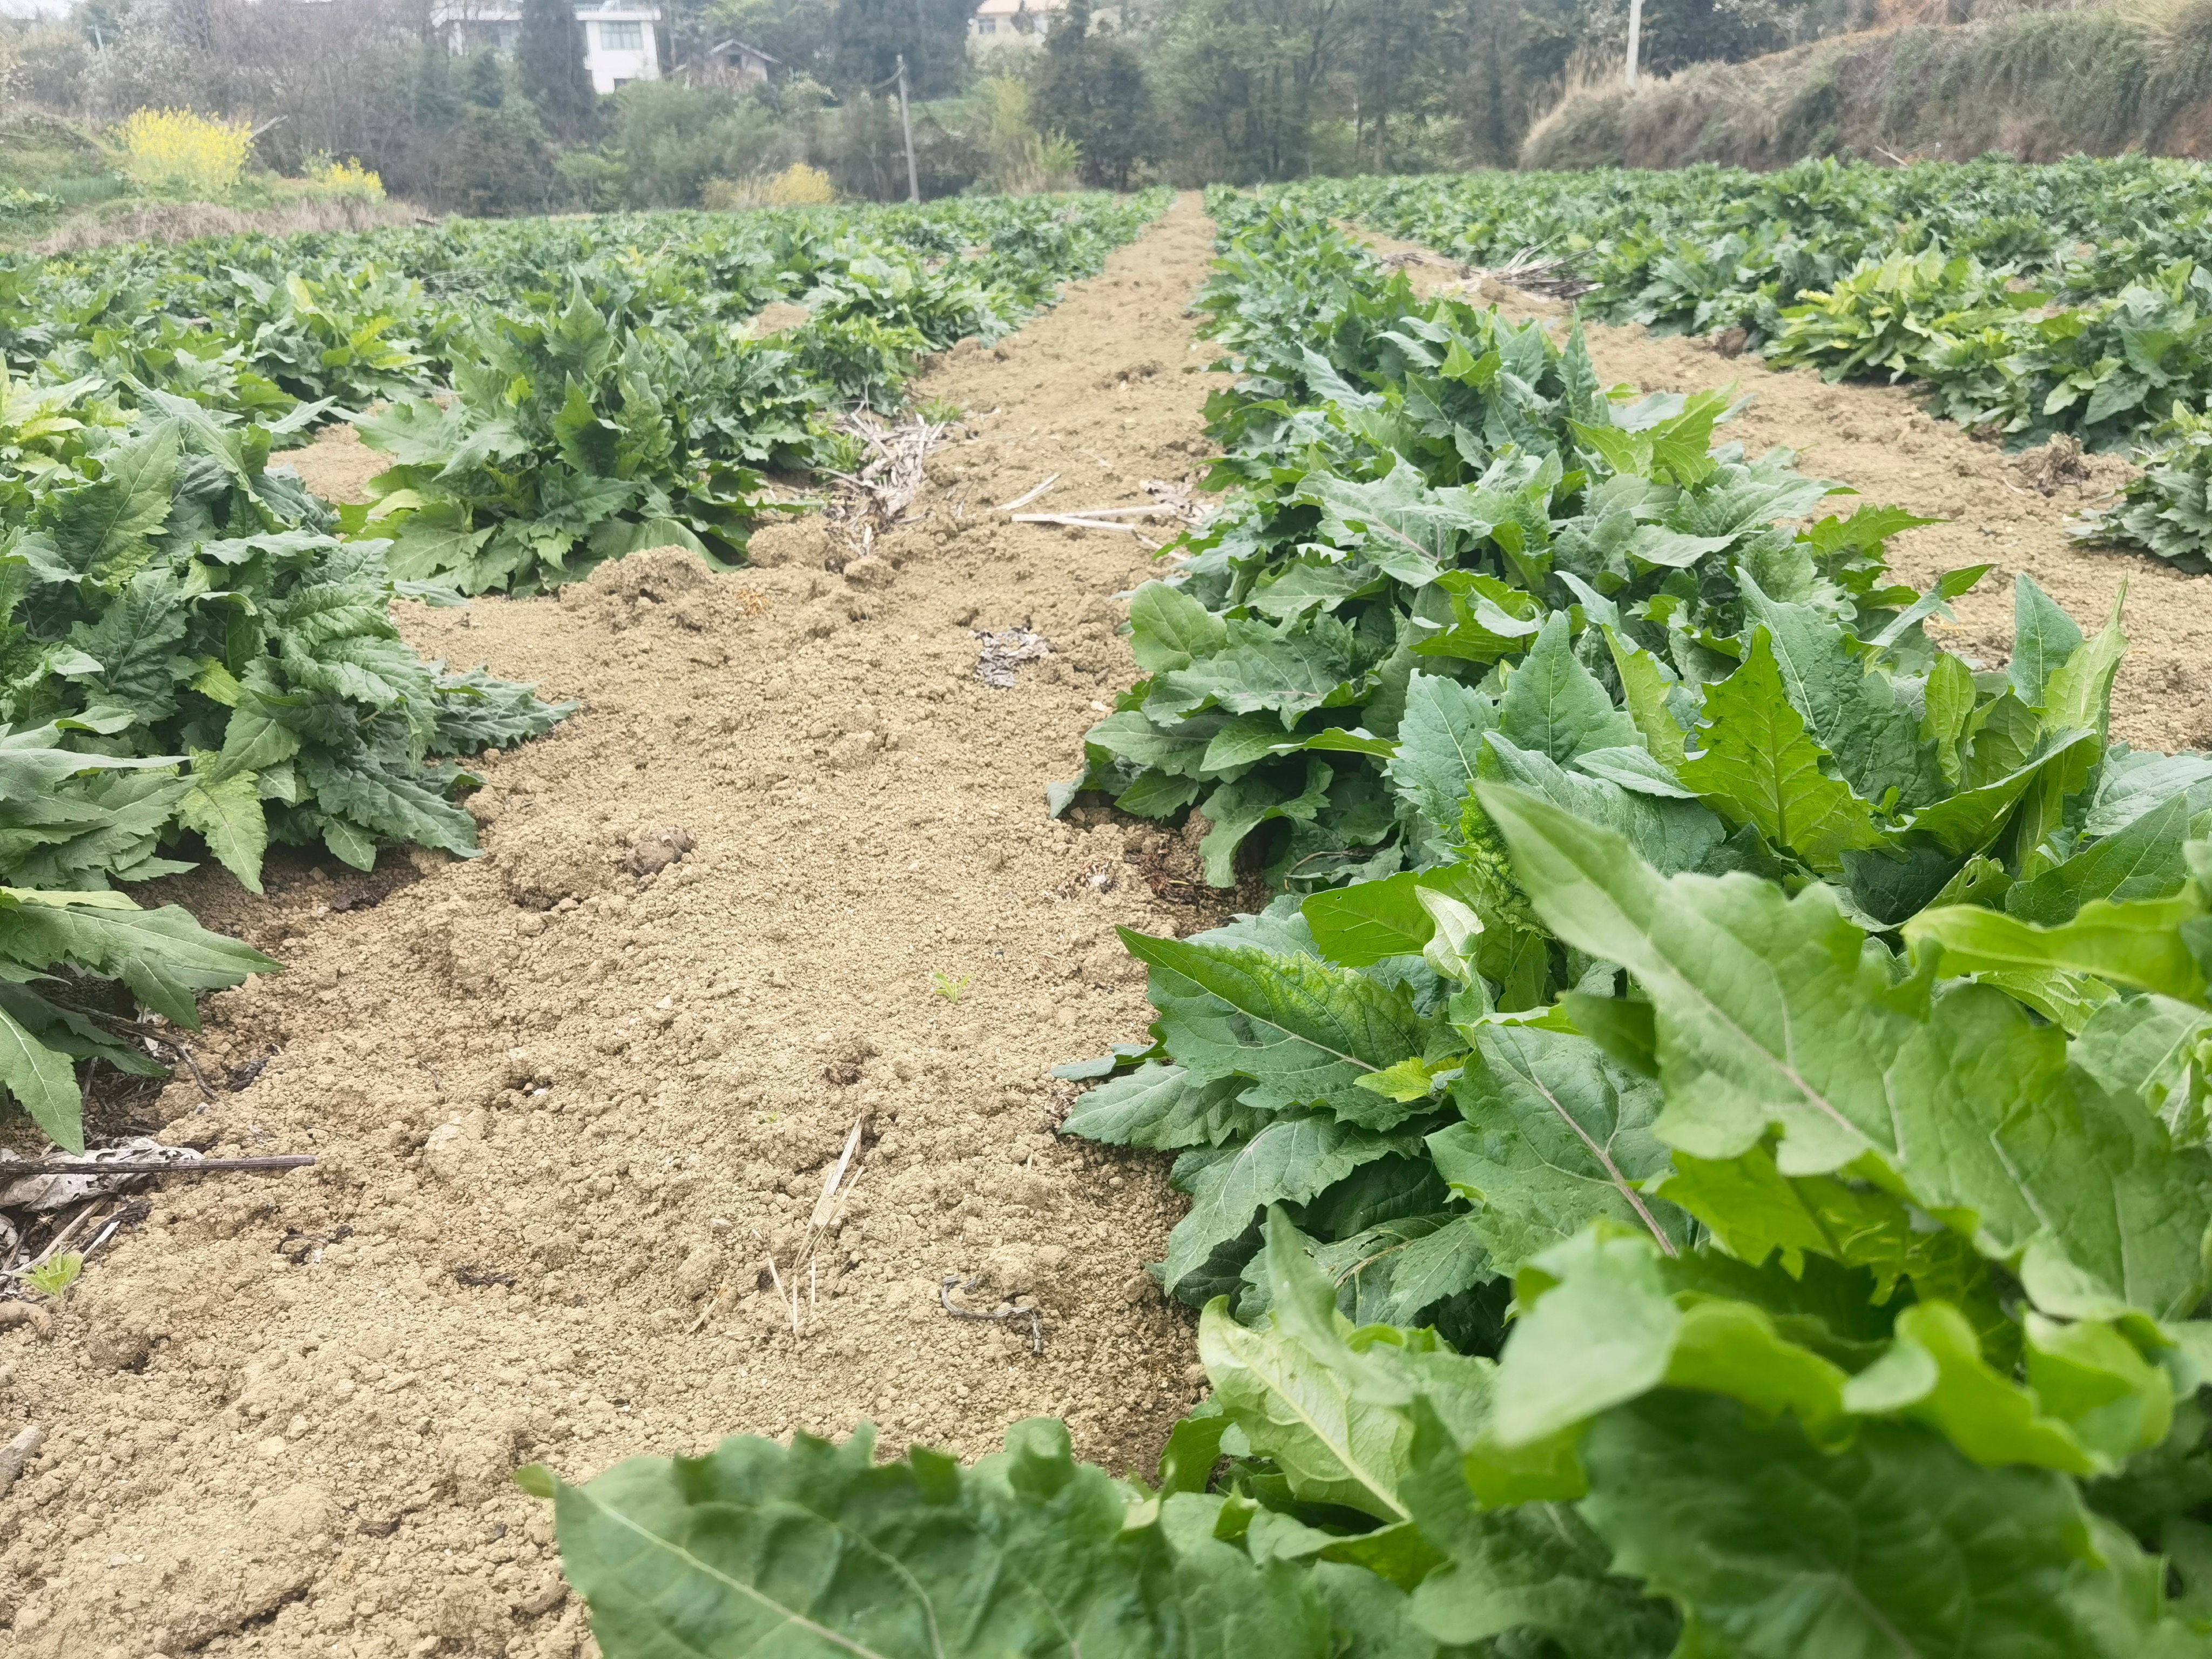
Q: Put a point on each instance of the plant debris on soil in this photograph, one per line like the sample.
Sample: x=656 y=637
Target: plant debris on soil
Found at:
x=569 y=1101
x=1005 y=652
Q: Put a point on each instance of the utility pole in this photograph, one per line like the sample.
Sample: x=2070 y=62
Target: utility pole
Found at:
x=906 y=122
x=1635 y=29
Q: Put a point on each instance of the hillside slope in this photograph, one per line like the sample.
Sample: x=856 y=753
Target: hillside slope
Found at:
x=2033 y=85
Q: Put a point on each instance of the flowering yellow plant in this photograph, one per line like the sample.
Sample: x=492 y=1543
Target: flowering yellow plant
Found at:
x=346 y=178
x=177 y=151
x=800 y=185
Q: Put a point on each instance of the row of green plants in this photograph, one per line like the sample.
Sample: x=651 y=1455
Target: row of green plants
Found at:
x=2025 y=301
x=2030 y=299
x=197 y=654
x=561 y=391
x=191 y=656
x=1705 y=1156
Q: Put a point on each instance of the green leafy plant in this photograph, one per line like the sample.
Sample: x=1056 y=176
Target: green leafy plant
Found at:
x=2166 y=510
x=2026 y=300
x=951 y=987
x=53 y=1277
x=182 y=620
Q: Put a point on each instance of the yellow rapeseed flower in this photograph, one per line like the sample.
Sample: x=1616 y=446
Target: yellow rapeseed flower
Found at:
x=800 y=185
x=177 y=152
x=346 y=178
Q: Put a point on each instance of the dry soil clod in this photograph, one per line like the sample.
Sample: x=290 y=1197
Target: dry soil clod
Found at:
x=16 y=1455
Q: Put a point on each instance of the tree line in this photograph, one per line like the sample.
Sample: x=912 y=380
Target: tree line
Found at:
x=1184 y=91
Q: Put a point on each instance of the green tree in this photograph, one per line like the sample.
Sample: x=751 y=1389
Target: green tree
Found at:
x=1249 y=80
x=870 y=35
x=550 y=57
x=1094 y=89
x=667 y=140
x=487 y=85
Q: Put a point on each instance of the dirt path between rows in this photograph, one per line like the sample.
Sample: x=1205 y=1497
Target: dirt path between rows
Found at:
x=568 y=1112
x=1877 y=440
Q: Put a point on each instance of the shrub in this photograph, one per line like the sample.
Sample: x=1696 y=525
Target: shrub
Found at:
x=800 y=185
x=177 y=153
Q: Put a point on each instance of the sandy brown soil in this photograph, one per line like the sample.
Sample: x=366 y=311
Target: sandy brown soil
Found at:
x=568 y=1113
x=1876 y=439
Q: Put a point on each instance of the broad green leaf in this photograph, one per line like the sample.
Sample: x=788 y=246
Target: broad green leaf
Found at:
x=136 y=641
x=1668 y=832
x=1163 y=1108
x=1439 y=744
x=1948 y=703
x=43 y=1082
x=2044 y=636
x=1758 y=766
x=1854 y=715
x=1935 y=1373
x=1768 y=1011
x=1303 y=1030
x=1970 y=821
x=1601 y=1329
x=1535 y=1567
x=254 y=738
x=226 y=809
x=372 y=799
x=1170 y=630
x=1895 y=1548
x=1293 y=1160
x=1557 y=1135
x=1331 y=1419
x=350 y=844
x=2139 y=943
x=1242 y=805
x=1777 y=1011
x=2157 y=1050
x=818 y=1549
x=103 y=530
x=1554 y=705
x=1755 y=1211
x=1402 y=527
x=1645 y=681
x=165 y=957
x=1397 y=1274
x=2077 y=694
x=2091 y=1376
x=1313 y=663
x=1363 y=923
x=2143 y=862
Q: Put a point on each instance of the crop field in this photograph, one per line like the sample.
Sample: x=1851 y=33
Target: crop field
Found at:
x=1617 y=891
x=2025 y=301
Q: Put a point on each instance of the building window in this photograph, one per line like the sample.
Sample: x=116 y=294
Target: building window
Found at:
x=621 y=37
x=986 y=26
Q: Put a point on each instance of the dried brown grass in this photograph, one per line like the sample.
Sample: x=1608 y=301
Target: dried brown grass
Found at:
x=184 y=221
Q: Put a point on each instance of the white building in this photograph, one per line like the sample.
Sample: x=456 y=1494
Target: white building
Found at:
x=997 y=19
x=621 y=39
